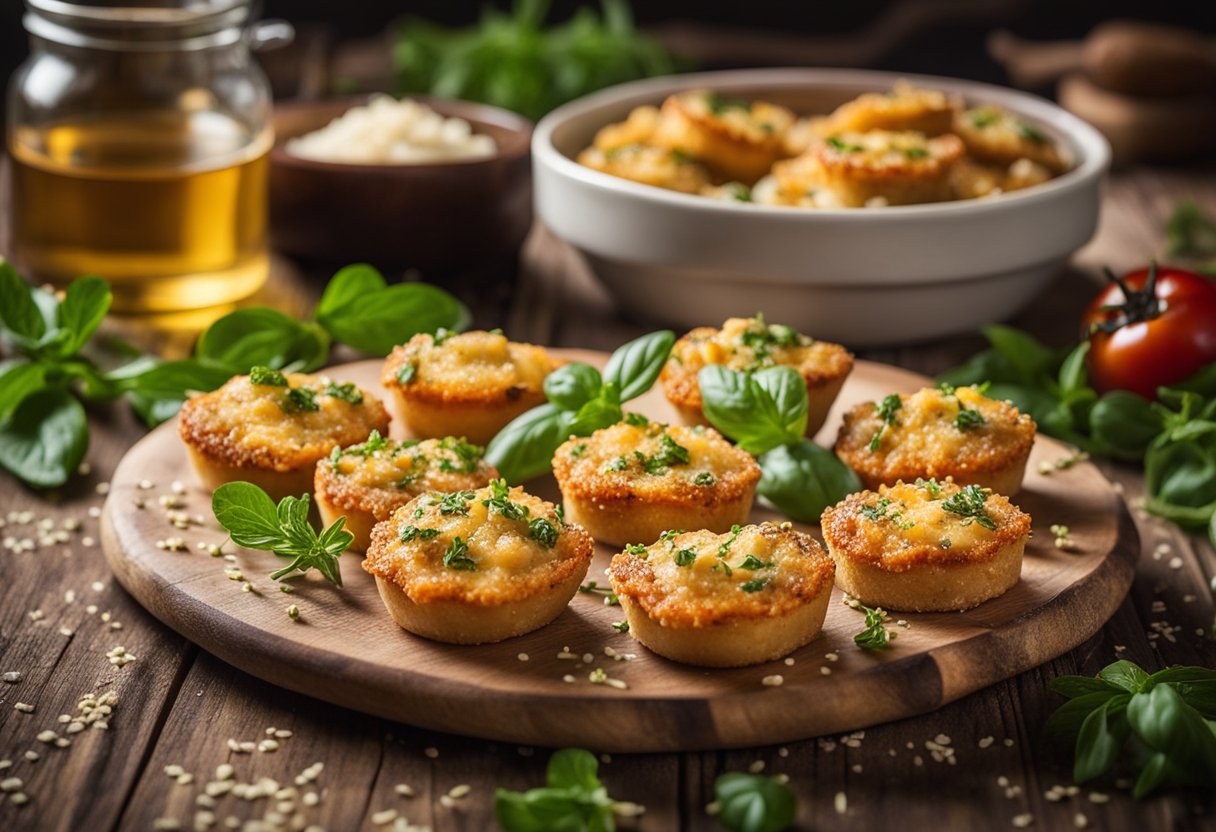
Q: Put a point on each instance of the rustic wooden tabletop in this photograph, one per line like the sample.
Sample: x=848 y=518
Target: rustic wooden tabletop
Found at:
x=190 y=742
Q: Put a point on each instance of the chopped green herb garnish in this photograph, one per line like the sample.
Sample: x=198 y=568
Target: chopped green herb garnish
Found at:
x=916 y=152
x=719 y=105
x=578 y=450
x=636 y=549
x=412 y=532
x=685 y=557
x=969 y=504
x=875 y=636
x=724 y=549
x=467 y=455
x=982 y=118
x=441 y=336
x=499 y=501
x=620 y=626
x=930 y=485
x=618 y=464
x=946 y=543
x=754 y=585
x=407 y=372
x=1032 y=133
x=878 y=511
x=635 y=419
x=543 y=531
x=670 y=453
x=457 y=556
x=751 y=562
x=267 y=377
x=836 y=143
x=887 y=408
x=299 y=400
x=704 y=478
x=457 y=502
x=346 y=392
x=968 y=418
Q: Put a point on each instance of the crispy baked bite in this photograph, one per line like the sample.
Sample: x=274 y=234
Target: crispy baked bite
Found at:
x=477 y=566
x=927 y=546
x=270 y=428
x=748 y=596
x=870 y=169
x=658 y=166
x=993 y=134
x=938 y=432
x=736 y=140
x=635 y=479
x=750 y=344
x=904 y=107
x=637 y=128
x=369 y=481
x=468 y=385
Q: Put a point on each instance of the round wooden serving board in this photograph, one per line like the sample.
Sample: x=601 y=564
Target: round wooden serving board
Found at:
x=345 y=649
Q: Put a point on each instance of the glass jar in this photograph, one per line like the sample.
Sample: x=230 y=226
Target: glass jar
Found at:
x=138 y=132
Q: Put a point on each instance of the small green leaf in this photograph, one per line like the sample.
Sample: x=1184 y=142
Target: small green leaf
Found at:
x=803 y=479
x=1074 y=686
x=635 y=366
x=573 y=767
x=573 y=385
x=376 y=321
x=1101 y=737
x=18 y=312
x=85 y=304
x=248 y=514
x=45 y=438
x=524 y=448
x=257 y=336
x=18 y=379
x=753 y=803
x=1125 y=675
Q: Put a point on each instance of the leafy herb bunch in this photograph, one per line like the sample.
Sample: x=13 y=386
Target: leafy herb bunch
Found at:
x=765 y=412
x=51 y=367
x=1162 y=725
x=581 y=401
x=1175 y=436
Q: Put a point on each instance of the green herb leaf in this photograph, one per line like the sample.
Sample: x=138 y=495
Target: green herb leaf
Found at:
x=18 y=379
x=45 y=438
x=1190 y=231
x=412 y=532
x=248 y=514
x=685 y=557
x=18 y=312
x=969 y=503
x=875 y=636
x=635 y=366
x=574 y=799
x=524 y=448
x=299 y=400
x=457 y=556
x=542 y=531
x=754 y=803
x=1124 y=675
x=347 y=392
x=265 y=376
x=754 y=585
x=760 y=410
x=1102 y=735
x=802 y=479
x=573 y=385
x=85 y=304
x=257 y=336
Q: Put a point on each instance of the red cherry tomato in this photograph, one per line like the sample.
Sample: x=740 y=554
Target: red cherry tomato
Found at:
x=1152 y=328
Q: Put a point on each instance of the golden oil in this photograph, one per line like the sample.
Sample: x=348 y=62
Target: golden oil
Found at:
x=170 y=207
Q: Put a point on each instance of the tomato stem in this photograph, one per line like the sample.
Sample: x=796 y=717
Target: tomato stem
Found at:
x=1137 y=306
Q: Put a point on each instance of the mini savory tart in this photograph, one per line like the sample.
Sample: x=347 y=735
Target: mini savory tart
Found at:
x=970 y=179
x=477 y=566
x=993 y=134
x=926 y=546
x=369 y=481
x=635 y=479
x=749 y=344
x=658 y=166
x=638 y=128
x=468 y=385
x=905 y=107
x=938 y=432
x=270 y=428
x=752 y=595
x=737 y=140
x=869 y=169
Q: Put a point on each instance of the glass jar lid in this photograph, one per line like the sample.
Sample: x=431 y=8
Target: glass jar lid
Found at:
x=138 y=25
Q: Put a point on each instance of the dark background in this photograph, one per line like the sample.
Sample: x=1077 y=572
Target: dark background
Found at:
x=954 y=46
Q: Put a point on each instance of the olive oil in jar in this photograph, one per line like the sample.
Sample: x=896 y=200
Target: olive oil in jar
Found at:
x=169 y=206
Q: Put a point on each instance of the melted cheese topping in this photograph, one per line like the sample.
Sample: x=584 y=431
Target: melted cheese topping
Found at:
x=905 y=107
x=694 y=579
x=757 y=122
x=907 y=524
x=472 y=366
x=889 y=152
x=258 y=424
x=648 y=461
x=657 y=166
x=497 y=559
x=994 y=134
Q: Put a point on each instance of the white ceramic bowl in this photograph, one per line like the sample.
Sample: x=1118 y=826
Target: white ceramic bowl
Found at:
x=865 y=277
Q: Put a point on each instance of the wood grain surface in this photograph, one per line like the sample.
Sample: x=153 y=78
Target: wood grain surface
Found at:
x=345 y=649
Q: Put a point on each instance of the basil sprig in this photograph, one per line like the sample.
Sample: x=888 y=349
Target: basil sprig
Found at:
x=1175 y=436
x=43 y=430
x=765 y=412
x=581 y=401
x=573 y=799
x=254 y=521
x=754 y=803
x=1162 y=725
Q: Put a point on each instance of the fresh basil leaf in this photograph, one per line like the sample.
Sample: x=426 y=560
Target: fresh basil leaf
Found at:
x=1124 y=675
x=157 y=393
x=1202 y=382
x=600 y=412
x=45 y=438
x=1196 y=686
x=18 y=312
x=1073 y=378
x=1074 y=686
x=348 y=285
x=1065 y=723
x=258 y=336
x=634 y=367
x=85 y=304
x=803 y=479
x=573 y=385
x=524 y=448
x=1101 y=737
x=733 y=403
x=753 y=803
x=248 y=514
x=786 y=389
x=1123 y=425
x=18 y=379
x=539 y=810
x=573 y=767
x=1180 y=473
x=1157 y=771
x=375 y=322
x=1165 y=723
x=985 y=366
x=1026 y=354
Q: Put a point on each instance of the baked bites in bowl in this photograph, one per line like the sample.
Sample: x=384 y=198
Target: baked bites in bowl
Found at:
x=938 y=432
x=748 y=596
x=477 y=566
x=469 y=385
x=927 y=546
x=636 y=479
x=270 y=428
x=367 y=482
x=750 y=344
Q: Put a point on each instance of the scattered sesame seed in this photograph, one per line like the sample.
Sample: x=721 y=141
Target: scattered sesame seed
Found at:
x=825 y=671
x=282 y=733
x=11 y=784
x=431 y=751
x=789 y=662
x=32 y=756
x=12 y=677
x=19 y=798
x=857 y=768
x=986 y=741
x=102 y=488
x=1099 y=797
x=1022 y=821
x=569 y=679
x=832 y=657
x=457 y=792
x=404 y=790
x=310 y=799
x=383 y=817
x=775 y=680
x=446 y=802
x=1175 y=563
x=918 y=760
x=24 y=707
x=166 y=823
x=756 y=767
x=1079 y=821
x=1008 y=742
x=841 y=803
x=523 y=657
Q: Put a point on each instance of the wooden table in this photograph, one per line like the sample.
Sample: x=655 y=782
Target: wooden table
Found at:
x=61 y=613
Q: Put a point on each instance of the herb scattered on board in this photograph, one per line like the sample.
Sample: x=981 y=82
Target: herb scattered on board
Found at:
x=592 y=588
x=1160 y=727
x=581 y=401
x=55 y=361
x=875 y=636
x=573 y=798
x=253 y=520
x=765 y=412
x=513 y=60
x=753 y=803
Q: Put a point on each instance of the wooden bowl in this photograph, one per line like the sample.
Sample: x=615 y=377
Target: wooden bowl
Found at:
x=439 y=217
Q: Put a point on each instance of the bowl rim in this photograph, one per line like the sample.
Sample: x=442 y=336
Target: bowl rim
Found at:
x=474 y=112
x=1090 y=146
